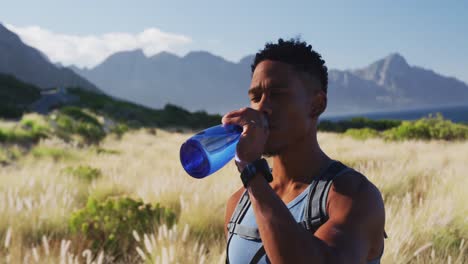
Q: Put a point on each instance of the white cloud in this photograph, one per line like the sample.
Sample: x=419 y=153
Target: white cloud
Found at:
x=91 y=50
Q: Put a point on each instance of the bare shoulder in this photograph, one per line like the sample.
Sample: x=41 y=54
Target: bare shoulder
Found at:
x=354 y=184
x=356 y=204
x=354 y=189
x=231 y=205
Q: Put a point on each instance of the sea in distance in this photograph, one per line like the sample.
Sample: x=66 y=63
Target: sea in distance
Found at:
x=458 y=114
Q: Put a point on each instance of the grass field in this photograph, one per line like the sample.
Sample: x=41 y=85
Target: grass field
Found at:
x=423 y=183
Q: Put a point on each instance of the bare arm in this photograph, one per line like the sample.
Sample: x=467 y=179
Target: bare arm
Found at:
x=356 y=210
x=355 y=217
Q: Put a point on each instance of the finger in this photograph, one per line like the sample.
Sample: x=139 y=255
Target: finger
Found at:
x=247 y=122
x=237 y=120
x=234 y=113
x=229 y=116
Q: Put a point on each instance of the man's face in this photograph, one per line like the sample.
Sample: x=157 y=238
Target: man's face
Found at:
x=278 y=90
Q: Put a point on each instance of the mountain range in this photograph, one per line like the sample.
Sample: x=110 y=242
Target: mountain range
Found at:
x=203 y=81
x=197 y=81
x=32 y=66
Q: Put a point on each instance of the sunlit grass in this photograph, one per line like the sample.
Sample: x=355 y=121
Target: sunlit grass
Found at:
x=423 y=184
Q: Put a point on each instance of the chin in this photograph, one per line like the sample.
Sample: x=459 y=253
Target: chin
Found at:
x=271 y=151
x=276 y=144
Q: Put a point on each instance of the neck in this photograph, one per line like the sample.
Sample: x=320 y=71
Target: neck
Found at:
x=297 y=165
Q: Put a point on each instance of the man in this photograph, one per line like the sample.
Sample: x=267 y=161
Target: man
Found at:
x=288 y=92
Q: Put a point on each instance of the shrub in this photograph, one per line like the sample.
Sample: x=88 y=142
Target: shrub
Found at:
x=16 y=135
x=428 y=128
x=109 y=224
x=39 y=128
x=72 y=120
x=120 y=129
x=30 y=131
x=84 y=172
x=362 y=133
x=91 y=134
x=357 y=123
x=54 y=153
x=78 y=115
x=4 y=135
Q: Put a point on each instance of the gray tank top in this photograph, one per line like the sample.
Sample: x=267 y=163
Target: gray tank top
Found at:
x=244 y=243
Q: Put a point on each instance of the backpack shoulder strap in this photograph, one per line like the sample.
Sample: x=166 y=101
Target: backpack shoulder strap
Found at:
x=319 y=188
x=234 y=226
x=237 y=215
x=316 y=210
x=240 y=210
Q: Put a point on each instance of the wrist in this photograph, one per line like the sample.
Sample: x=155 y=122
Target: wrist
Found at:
x=241 y=164
x=251 y=170
x=256 y=181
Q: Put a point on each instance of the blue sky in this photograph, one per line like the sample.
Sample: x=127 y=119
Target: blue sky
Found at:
x=348 y=34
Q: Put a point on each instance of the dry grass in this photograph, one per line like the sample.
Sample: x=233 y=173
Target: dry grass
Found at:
x=423 y=184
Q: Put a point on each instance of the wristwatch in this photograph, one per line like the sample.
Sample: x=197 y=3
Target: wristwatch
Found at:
x=251 y=169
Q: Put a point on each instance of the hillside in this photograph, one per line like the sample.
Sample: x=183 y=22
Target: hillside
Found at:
x=17 y=98
x=30 y=65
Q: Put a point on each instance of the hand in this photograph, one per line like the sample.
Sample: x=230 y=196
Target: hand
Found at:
x=254 y=134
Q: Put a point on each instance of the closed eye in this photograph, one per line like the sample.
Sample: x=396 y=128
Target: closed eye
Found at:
x=255 y=98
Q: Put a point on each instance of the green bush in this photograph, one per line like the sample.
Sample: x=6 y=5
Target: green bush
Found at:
x=362 y=133
x=432 y=127
x=20 y=136
x=84 y=172
x=357 y=123
x=37 y=128
x=109 y=224
x=78 y=115
x=428 y=128
x=4 y=135
x=119 y=129
x=30 y=131
x=73 y=121
x=54 y=153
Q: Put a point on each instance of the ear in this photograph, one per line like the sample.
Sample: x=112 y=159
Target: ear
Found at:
x=319 y=103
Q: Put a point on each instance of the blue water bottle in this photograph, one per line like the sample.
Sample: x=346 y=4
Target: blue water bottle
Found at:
x=209 y=150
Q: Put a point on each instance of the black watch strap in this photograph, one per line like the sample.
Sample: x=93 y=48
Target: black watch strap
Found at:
x=259 y=165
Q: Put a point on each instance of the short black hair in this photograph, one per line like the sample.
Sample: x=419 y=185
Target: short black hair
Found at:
x=298 y=54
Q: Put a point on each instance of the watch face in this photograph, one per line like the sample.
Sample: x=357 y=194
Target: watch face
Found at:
x=252 y=169
x=262 y=165
x=248 y=173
